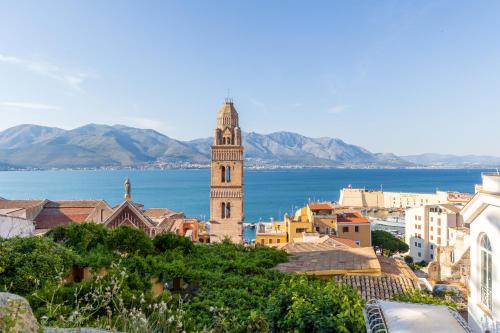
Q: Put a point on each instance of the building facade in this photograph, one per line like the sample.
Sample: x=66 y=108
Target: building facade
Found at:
x=363 y=198
x=429 y=227
x=226 y=180
x=482 y=215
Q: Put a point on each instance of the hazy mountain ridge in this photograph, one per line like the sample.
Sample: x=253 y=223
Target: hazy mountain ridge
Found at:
x=453 y=160
x=94 y=146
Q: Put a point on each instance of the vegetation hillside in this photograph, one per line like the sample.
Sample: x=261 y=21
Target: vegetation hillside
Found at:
x=210 y=288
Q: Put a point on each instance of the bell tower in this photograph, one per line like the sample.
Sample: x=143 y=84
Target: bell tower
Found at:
x=226 y=180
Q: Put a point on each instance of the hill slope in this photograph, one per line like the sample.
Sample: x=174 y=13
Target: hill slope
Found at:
x=121 y=146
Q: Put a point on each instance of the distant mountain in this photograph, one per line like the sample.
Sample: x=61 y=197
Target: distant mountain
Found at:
x=90 y=146
x=94 y=146
x=447 y=160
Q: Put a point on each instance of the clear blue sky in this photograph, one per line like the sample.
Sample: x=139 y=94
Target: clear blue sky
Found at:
x=392 y=76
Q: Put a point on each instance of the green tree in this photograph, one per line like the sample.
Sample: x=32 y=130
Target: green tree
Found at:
x=32 y=262
x=388 y=242
x=170 y=241
x=80 y=237
x=130 y=241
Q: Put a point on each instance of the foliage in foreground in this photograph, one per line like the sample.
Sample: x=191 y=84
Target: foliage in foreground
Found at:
x=425 y=297
x=227 y=287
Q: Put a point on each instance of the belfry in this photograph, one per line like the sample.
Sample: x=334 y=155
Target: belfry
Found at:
x=226 y=182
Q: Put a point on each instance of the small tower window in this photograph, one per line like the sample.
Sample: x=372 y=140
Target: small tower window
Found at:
x=228 y=210
x=223 y=174
x=228 y=174
x=223 y=210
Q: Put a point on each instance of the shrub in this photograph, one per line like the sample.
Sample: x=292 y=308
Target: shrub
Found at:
x=30 y=263
x=80 y=237
x=130 y=241
x=425 y=297
x=408 y=260
x=303 y=304
x=170 y=241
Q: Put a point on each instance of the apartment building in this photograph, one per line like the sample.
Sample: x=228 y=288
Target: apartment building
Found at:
x=429 y=227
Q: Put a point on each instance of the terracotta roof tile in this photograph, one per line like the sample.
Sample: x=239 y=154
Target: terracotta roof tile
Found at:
x=333 y=262
x=6 y=204
x=320 y=206
x=352 y=217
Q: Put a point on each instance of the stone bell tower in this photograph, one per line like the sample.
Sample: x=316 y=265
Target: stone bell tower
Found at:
x=226 y=182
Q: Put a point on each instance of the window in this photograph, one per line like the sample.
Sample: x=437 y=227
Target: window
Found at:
x=432 y=228
x=419 y=254
x=432 y=256
x=228 y=174
x=419 y=244
x=278 y=241
x=356 y=229
x=432 y=219
x=223 y=210
x=416 y=244
x=345 y=229
x=486 y=271
x=432 y=237
x=228 y=210
x=439 y=221
x=223 y=174
x=270 y=241
x=432 y=247
x=439 y=241
x=357 y=243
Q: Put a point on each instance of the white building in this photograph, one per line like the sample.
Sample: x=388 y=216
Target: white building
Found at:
x=482 y=214
x=12 y=226
x=429 y=227
x=363 y=198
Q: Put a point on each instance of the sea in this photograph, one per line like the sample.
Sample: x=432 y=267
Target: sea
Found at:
x=269 y=194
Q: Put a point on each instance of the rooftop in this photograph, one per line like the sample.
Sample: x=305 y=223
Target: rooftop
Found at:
x=321 y=206
x=337 y=261
x=352 y=217
x=400 y=317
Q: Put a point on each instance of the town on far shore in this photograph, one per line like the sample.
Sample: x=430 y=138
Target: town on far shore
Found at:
x=381 y=243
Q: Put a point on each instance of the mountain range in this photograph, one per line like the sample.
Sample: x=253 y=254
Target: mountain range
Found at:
x=118 y=146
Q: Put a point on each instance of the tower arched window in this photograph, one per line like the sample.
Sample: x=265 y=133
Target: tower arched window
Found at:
x=228 y=174
x=223 y=210
x=486 y=270
x=223 y=174
x=228 y=210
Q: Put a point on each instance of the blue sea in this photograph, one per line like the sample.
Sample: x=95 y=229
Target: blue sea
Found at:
x=268 y=194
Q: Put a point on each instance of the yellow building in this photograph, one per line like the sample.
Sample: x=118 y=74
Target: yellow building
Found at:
x=271 y=234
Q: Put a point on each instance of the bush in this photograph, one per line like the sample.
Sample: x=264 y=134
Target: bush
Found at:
x=424 y=297
x=408 y=260
x=302 y=304
x=130 y=241
x=80 y=237
x=170 y=241
x=30 y=263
